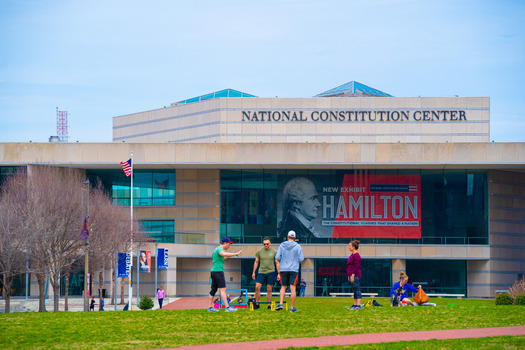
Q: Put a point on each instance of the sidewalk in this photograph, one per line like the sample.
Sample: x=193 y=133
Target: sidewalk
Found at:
x=370 y=338
x=75 y=304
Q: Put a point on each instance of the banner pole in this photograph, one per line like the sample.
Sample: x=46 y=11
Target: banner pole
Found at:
x=156 y=265
x=130 y=290
x=138 y=272
x=116 y=278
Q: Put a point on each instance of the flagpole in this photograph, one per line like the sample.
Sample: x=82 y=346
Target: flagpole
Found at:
x=131 y=235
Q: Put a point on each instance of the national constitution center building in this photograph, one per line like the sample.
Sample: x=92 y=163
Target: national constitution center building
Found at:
x=417 y=180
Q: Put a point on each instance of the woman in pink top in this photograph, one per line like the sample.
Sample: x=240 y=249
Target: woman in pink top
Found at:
x=353 y=269
x=160 y=296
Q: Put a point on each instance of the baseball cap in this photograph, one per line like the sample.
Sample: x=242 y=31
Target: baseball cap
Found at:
x=226 y=240
x=291 y=234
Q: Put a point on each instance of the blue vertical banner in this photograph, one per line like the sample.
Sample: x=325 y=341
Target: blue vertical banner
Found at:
x=124 y=264
x=162 y=259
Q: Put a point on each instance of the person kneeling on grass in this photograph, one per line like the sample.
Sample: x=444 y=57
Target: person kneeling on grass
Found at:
x=398 y=293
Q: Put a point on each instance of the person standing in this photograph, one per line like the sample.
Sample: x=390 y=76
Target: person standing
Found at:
x=217 y=274
x=303 y=288
x=267 y=275
x=353 y=269
x=101 y=304
x=92 y=305
x=290 y=256
x=160 y=296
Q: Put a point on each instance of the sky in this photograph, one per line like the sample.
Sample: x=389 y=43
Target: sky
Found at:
x=101 y=59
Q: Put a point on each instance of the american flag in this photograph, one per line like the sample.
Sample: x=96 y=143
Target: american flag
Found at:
x=127 y=167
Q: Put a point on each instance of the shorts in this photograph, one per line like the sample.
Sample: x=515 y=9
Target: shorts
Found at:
x=266 y=278
x=217 y=281
x=288 y=278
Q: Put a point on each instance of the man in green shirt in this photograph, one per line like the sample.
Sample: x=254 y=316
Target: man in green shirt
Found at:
x=265 y=259
x=217 y=274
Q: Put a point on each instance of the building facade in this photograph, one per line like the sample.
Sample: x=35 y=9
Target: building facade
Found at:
x=416 y=180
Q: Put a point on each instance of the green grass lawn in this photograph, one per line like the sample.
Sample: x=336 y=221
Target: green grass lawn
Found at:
x=496 y=343
x=316 y=317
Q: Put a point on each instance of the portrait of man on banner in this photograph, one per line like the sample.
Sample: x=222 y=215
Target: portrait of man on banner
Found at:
x=300 y=207
x=145 y=261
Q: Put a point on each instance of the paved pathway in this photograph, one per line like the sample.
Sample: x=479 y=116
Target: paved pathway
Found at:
x=371 y=338
x=187 y=303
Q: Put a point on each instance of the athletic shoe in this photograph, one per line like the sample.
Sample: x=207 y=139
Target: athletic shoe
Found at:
x=269 y=307
x=357 y=307
x=293 y=309
x=279 y=307
x=230 y=308
x=256 y=306
x=351 y=307
x=212 y=309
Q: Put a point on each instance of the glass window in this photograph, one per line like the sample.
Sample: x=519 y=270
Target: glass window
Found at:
x=248 y=283
x=438 y=276
x=5 y=171
x=150 y=187
x=163 y=231
x=76 y=284
x=453 y=204
x=331 y=276
x=18 y=286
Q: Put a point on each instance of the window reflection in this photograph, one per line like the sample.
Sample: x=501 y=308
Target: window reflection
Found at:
x=454 y=206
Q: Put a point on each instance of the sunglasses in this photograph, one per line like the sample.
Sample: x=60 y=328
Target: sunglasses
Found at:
x=266 y=243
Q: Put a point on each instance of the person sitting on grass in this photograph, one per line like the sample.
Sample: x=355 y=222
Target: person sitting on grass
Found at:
x=398 y=293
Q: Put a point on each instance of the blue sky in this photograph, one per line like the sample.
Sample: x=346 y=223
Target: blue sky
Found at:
x=100 y=59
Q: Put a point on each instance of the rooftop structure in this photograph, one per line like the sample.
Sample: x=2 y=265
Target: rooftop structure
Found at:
x=216 y=94
x=353 y=89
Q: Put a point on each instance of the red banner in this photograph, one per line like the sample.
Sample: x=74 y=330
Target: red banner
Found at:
x=375 y=206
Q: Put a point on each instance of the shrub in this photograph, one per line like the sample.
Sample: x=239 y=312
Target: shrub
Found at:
x=520 y=300
x=504 y=299
x=145 y=303
x=517 y=288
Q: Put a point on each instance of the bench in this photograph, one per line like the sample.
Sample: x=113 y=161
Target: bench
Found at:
x=441 y=295
x=352 y=294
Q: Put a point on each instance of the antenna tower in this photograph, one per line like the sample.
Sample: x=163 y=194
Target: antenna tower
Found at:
x=62 y=125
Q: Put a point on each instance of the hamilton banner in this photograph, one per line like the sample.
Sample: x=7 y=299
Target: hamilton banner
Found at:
x=356 y=205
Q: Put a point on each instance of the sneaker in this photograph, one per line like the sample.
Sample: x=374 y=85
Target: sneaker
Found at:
x=230 y=308
x=293 y=309
x=212 y=309
x=256 y=306
x=357 y=307
x=279 y=307
x=351 y=307
x=269 y=307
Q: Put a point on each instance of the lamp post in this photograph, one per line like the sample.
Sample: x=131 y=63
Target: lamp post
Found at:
x=86 y=252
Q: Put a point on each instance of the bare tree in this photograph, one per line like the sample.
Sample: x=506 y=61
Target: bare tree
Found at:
x=55 y=211
x=12 y=244
x=109 y=231
x=42 y=211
